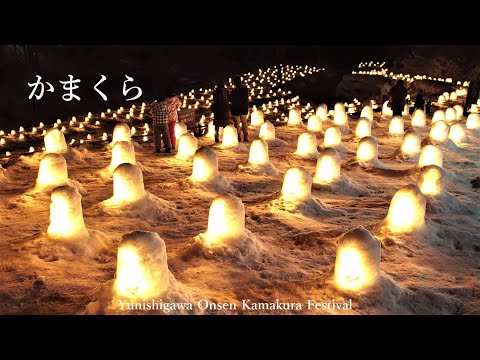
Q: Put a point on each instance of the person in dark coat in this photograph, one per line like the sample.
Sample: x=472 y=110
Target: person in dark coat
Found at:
x=220 y=108
x=419 y=102
x=239 y=99
x=398 y=93
x=428 y=104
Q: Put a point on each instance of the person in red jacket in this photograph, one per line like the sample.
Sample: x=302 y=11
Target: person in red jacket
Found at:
x=174 y=104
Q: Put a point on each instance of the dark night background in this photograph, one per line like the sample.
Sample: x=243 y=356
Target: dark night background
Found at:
x=189 y=66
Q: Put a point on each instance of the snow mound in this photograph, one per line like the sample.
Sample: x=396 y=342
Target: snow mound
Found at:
x=130 y=198
x=340 y=148
x=276 y=142
x=400 y=156
x=142 y=278
x=226 y=235
x=307 y=146
x=218 y=184
x=410 y=149
x=296 y=195
x=453 y=241
x=447 y=203
x=205 y=173
x=343 y=186
x=447 y=144
x=67 y=225
x=149 y=207
x=89 y=246
x=230 y=140
x=240 y=148
x=72 y=155
x=38 y=191
x=256 y=169
x=3 y=174
x=245 y=248
x=311 y=207
x=177 y=300
x=405 y=218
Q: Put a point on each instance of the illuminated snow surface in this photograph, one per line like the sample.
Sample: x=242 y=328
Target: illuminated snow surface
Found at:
x=432 y=272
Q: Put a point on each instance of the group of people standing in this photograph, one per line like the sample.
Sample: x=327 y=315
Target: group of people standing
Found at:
x=233 y=108
x=225 y=106
x=397 y=94
x=234 y=104
x=165 y=116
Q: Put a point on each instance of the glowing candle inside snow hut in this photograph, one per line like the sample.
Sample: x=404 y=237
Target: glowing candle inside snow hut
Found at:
x=396 y=126
x=52 y=171
x=412 y=143
x=450 y=114
x=367 y=112
x=458 y=133
x=367 y=151
x=267 y=131
x=407 y=210
x=180 y=129
x=257 y=118
x=431 y=180
x=122 y=152
x=205 y=165
x=439 y=131
x=258 y=152
x=142 y=269
x=128 y=183
x=364 y=128
x=226 y=219
x=357 y=263
x=307 y=145
x=314 y=124
x=121 y=132
x=66 y=216
x=187 y=146
x=294 y=117
x=230 y=137
x=322 y=112
x=297 y=184
x=473 y=122
x=327 y=170
x=419 y=118
x=333 y=137
x=438 y=115
x=55 y=142
x=430 y=155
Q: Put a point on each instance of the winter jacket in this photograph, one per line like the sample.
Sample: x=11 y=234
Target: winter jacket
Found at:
x=239 y=99
x=221 y=107
x=174 y=104
x=419 y=102
x=398 y=95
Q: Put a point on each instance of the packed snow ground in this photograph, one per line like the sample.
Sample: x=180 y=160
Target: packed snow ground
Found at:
x=436 y=272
